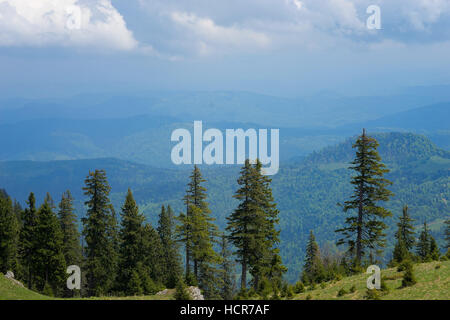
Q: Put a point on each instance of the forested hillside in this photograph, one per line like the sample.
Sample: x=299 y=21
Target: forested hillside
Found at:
x=307 y=192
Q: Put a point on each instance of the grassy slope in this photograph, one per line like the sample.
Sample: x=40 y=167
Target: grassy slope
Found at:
x=432 y=284
x=11 y=291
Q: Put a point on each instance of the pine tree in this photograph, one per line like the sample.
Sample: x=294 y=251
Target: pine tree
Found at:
x=153 y=254
x=196 y=197
x=99 y=231
x=71 y=236
x=9 y=235
x=409 y=278
x=204 y=255
x=240 y=222
x=434 y=249
x=265 y=254
x=27 y=243
x=423 y=245
x=50 y=269
x=365 y=230
x=252 y=227
x=198 y=233
x=406 y=229
x=228 y=268
x=131 y=246
x=313 y=271
x=181 y=292
x=405 y=238
x=166 y=226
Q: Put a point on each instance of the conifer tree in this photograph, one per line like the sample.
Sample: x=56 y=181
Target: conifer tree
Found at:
x=252 y=227
x=203 y=253
x=313 y=270
x=227 y=268
x=131 y=246
x=166 y=229
x=50 y=272
x=27 y=246
x=240 y=222
x=265 y=254
x=423 y=245
x=406 y=229
x=153 y=259
x=198 y=232
x=365 y=230
x=69 y=228
x=99 y=231
x=181 y=292
x=405 y=237
x=434 y=249
x=9 y=235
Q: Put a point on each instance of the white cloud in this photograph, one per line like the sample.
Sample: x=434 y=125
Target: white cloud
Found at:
x=67 y=23
x=210 y=37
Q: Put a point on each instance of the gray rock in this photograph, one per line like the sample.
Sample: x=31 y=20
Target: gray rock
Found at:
x=195 y=293
x=10 y=275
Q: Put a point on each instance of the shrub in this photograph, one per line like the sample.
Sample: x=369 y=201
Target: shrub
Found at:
x=353 y=289
x=342 y=292
x=181 y=292
x=299 y=287
x=372 y=294
x=408 y=277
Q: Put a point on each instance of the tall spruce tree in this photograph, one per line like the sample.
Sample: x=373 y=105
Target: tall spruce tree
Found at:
x=267 y=260
x=50 y=272
x=99 y=231
x=203 y=254
x=69 y=228
x=240 y=222
x=131 y=246
x=423 y=244
x=251 y=227
x=406 y=229
x=154 y=256
x=9 y=235
x=166 y=231
x=227 y=269
x=313 y=271
x=405 y=238
x=434 y=249
x=197 y=229
x=27 y=245
x=365 y=230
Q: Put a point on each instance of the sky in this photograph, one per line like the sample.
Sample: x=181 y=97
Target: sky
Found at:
x=52 y=48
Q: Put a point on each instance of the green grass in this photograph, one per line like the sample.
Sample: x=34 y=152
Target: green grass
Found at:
x=432 y=284
x=12 y=291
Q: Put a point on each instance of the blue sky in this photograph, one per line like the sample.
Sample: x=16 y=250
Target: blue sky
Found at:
x=279 y=47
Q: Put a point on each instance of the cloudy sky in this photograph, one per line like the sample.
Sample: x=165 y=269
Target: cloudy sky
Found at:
x=280 y=47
